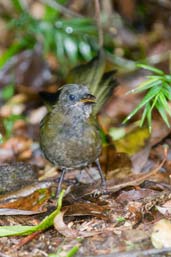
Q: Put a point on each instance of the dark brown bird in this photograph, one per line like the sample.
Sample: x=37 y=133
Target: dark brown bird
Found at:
x=69 y=134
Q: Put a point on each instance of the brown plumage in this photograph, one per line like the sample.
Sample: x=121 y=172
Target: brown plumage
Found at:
x=69 y=134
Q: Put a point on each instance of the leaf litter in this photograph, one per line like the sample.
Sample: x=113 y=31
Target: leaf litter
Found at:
x=133 y=217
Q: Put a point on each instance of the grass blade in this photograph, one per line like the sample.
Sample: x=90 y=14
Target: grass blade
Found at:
x=162 y=112
x=150 y=95
x=145 y=86
x=26 y=230
x=150 y=68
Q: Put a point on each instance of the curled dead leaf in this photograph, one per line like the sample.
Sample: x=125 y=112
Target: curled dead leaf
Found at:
x=62 y=228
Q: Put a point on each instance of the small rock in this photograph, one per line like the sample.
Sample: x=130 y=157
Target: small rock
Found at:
x=16 y=175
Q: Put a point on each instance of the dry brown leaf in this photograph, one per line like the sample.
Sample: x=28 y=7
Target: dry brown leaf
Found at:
x=62 y=228
x=6 y=211
x=33 y=202
x=84 y=209
x=134 y=194
x=30 y=198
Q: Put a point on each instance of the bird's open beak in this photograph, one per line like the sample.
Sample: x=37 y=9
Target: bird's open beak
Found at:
x=88 y=99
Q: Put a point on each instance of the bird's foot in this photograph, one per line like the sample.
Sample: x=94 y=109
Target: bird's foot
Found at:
x=102 y=191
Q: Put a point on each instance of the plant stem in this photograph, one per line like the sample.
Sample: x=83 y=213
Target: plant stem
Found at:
x=99 y=25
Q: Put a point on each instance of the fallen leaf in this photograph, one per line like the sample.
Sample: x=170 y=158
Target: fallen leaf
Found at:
x=133 y=141
x=161 y=234
x=165 y=209
x=134 y=194
x=31 y=198
x=84 y=209
x=6 y=211
x=140 y=158
x=62 y=228
x=26 y=230
x=112 y=161
x=33 y=202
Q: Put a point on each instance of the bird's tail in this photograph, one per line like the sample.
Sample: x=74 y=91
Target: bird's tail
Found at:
x=100 y=83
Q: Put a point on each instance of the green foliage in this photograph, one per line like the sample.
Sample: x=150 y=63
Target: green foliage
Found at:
x=71 y=40
x=120 y=219
x=9 y=123
x=26 y=230
x=157 y=96
x=7 y=92
x=14 y=48
x=70 y=253
x=18 y=5
x=1 y=138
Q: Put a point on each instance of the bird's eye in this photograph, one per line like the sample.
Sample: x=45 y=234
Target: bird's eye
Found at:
x=72 y=97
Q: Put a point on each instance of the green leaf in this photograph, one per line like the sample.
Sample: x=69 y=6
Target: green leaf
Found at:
x=167 y=90
x=120 y=219
x=26 y=230
x=1 y=139
x=9 y=123
x=151 y=68
x=73 y=251
x=145 y=85
x=78 y=22
x=8 y=92
x=18 y=5
x=16 y=230
x=59 y=47
x=85 y=50
x=71 y=49
x=12 y=50
x=164 y=103
x=162 y=112
x=149 y=119
x=50 y=14
x=70 y=253
x=144 y=115
x=153 y=91
x=167 y=78
x=77 y=26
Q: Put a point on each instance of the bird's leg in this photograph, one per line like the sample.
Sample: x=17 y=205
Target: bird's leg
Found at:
x=103 y=181
x=60 y=182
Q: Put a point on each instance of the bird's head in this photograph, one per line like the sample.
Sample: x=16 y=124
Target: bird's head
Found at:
x=76 y=99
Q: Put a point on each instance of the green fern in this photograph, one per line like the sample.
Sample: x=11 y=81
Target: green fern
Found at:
x=158 y=95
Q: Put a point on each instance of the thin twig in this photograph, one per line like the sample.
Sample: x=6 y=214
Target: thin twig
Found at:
x=61 y=8
x=27 y=239
x=99 y=25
